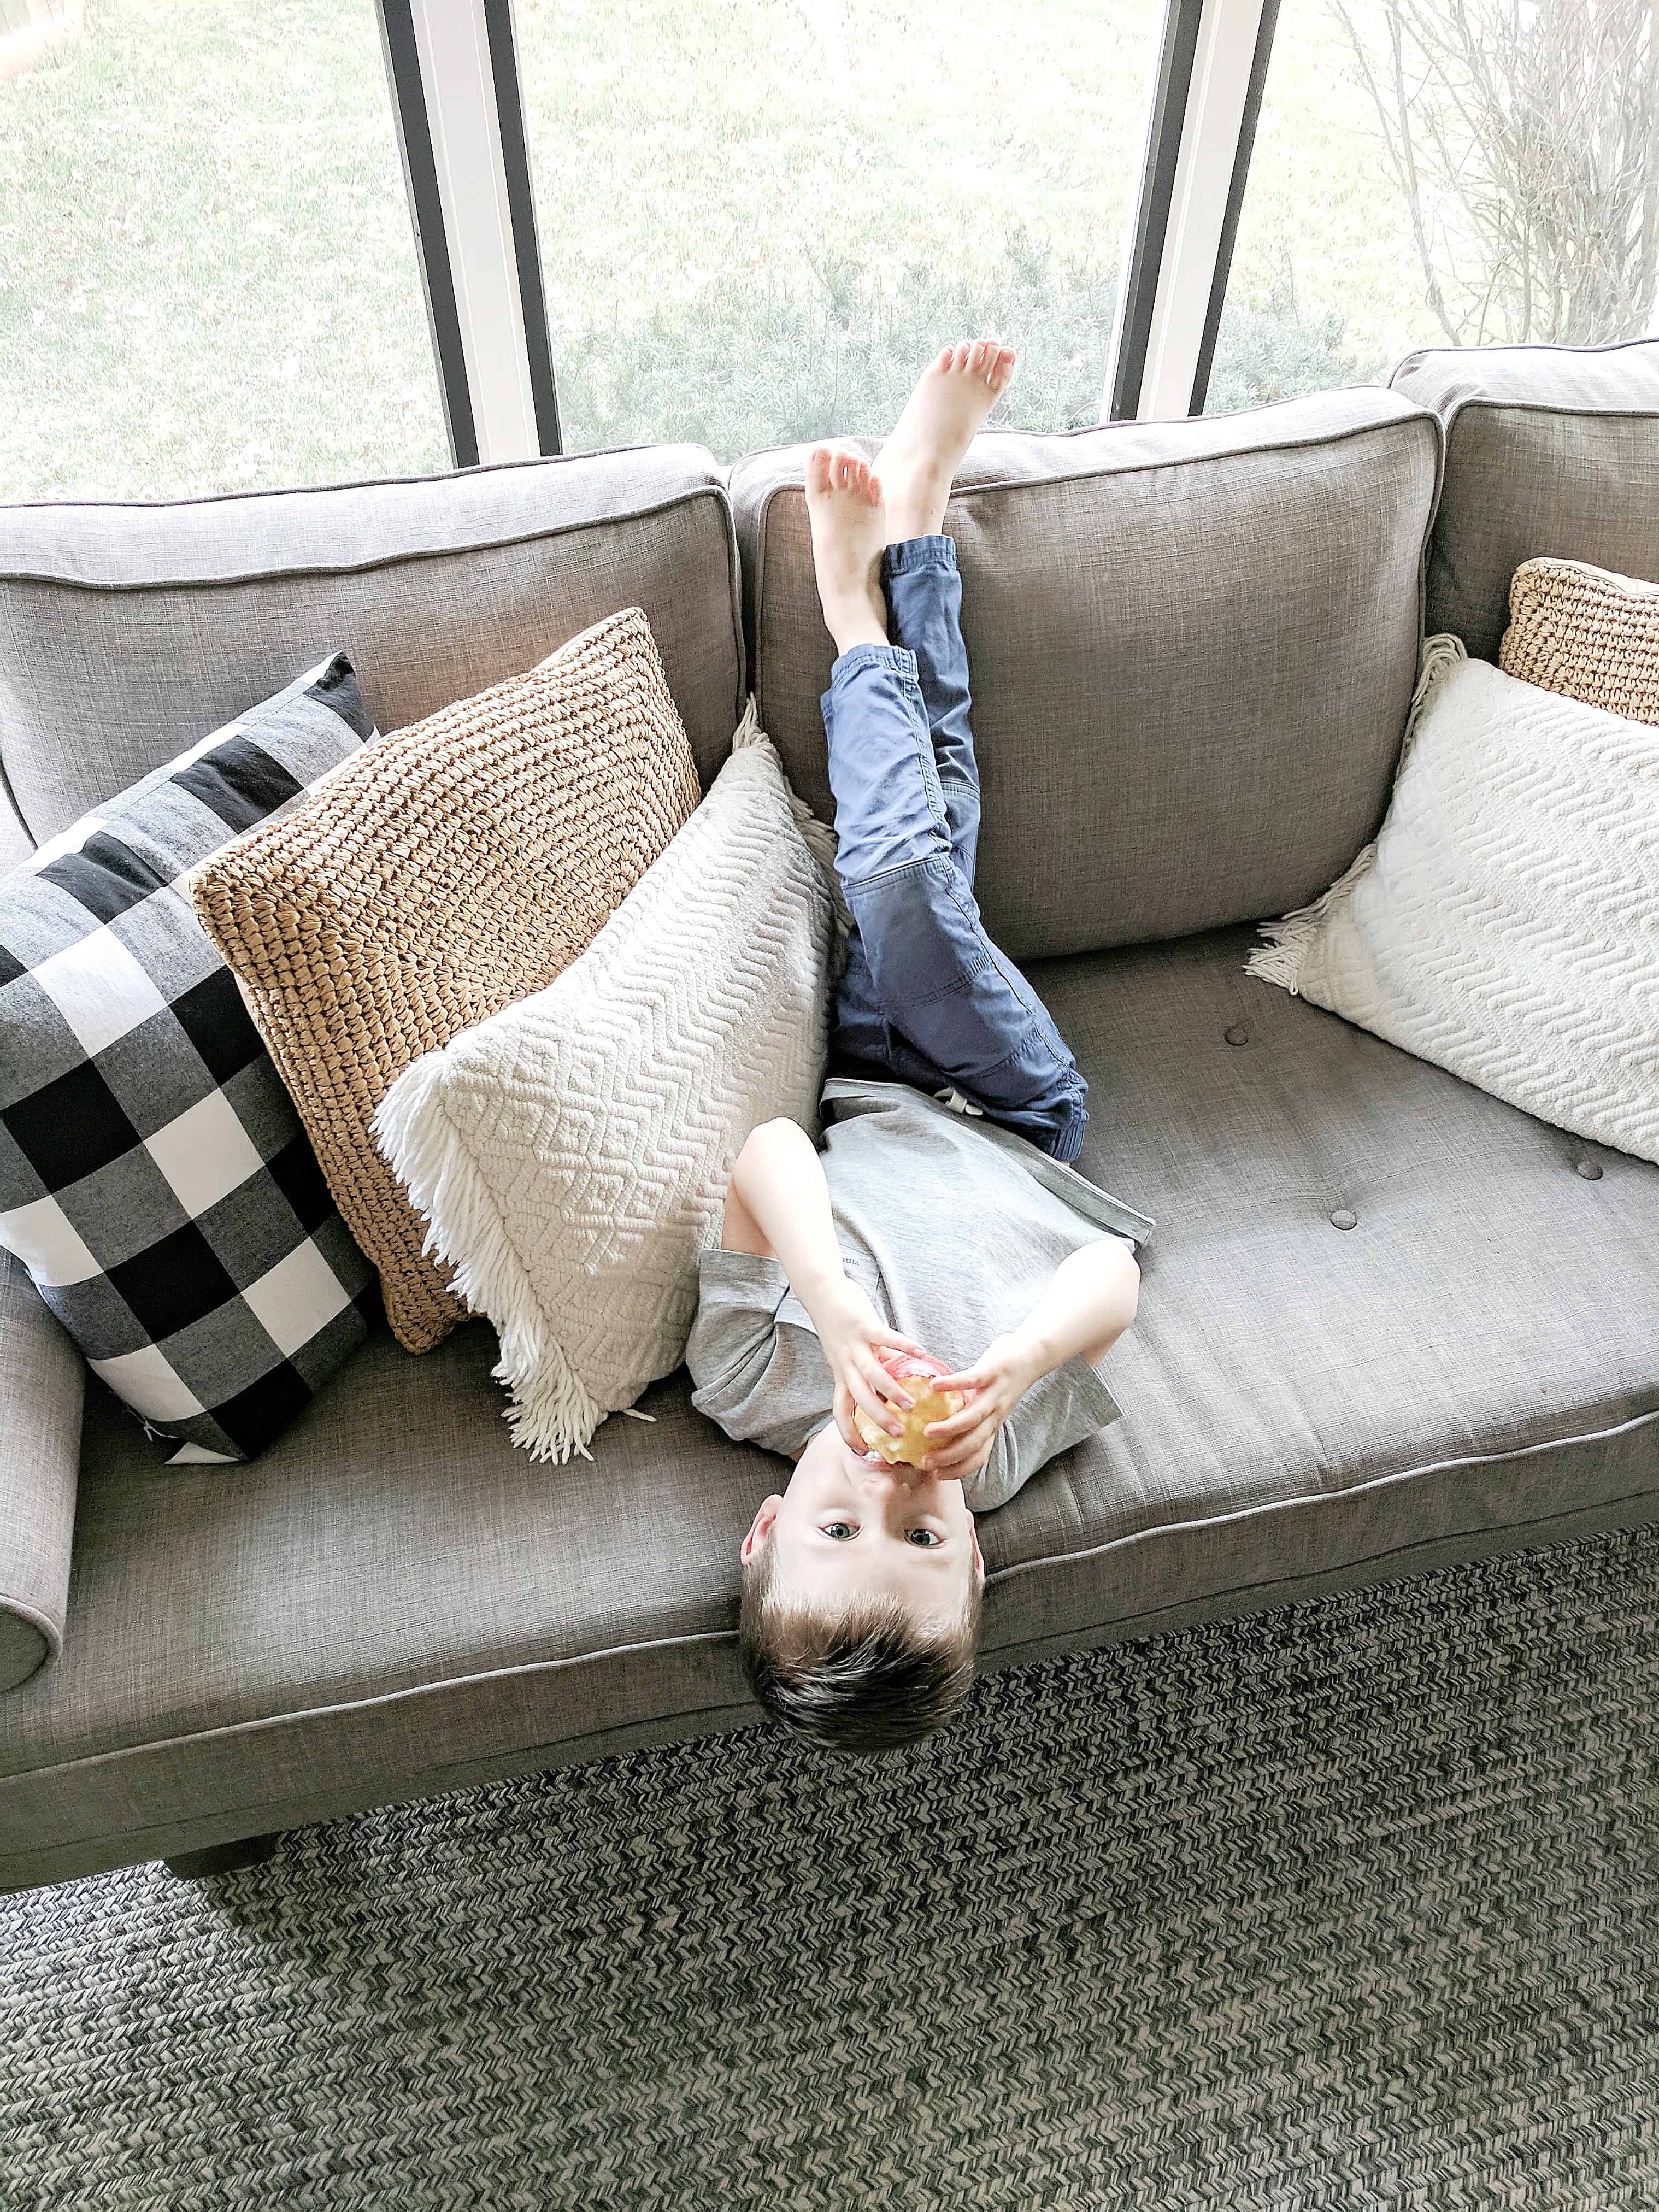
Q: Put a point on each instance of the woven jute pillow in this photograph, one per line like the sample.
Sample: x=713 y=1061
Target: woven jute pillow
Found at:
x=443 y=872
x=1586 y=633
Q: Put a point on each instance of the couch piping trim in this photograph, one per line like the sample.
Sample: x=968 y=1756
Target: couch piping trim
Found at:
x=1062 y=1643
x=727 y=1635
x=45 y=1624
x=366 y=483
x=1126 y=423
x=1323 y=1497
x=1419 y=414
x=487 y=544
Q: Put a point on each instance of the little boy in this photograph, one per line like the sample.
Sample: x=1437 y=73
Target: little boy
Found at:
x=942 y=1214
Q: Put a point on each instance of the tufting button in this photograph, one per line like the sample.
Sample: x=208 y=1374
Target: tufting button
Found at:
x=1590 y=1169
x=1237 y=1035
x=1344 y=1218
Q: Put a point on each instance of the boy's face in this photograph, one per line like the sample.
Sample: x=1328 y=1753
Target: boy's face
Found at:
x=849 y=1527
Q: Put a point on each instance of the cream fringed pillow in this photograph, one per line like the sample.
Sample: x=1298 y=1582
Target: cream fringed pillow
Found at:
x=574 y=1151
x=1586 y=632
x=1505 y=922
x=444 y=871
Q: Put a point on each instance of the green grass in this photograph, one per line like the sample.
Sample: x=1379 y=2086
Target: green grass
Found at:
x=207 y=276
x=756 y=218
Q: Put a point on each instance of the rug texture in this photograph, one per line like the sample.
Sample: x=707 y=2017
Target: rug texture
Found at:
x=1349 y=1905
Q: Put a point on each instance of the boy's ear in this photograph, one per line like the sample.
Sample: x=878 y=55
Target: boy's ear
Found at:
x=760 y=1528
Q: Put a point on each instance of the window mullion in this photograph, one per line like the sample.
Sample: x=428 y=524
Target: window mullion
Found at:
x=475 y=221
x=1203 y=122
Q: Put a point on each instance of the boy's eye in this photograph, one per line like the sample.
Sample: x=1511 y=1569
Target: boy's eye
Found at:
x=840 y=1530
x=925 y=1539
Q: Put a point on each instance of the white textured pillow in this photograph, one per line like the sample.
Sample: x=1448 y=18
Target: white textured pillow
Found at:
x=572 y=1152
x=1505 y=922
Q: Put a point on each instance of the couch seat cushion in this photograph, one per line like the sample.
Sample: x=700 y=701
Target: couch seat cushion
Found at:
x=1386 y=1319
x=1369 y=1282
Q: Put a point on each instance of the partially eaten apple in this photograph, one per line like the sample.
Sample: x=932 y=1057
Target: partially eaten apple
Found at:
x=919 y=1371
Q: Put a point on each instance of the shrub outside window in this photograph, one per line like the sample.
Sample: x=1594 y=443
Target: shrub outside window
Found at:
x=1437 y=172
x=207 y=279
x=758 y=217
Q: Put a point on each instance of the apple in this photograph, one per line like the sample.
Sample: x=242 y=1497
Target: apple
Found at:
x=919 y=1372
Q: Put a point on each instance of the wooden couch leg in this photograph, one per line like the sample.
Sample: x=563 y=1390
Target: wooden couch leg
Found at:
x=222 y=1858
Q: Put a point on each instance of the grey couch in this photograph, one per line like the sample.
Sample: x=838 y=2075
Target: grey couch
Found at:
x=1388 y=1322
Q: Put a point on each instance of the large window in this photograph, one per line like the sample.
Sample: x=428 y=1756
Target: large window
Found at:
x=757 y=216
x=1442 y=173
x=754 y=218
x=208 y=278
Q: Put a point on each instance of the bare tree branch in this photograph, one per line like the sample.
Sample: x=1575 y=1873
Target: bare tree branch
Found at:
x=1524 y=138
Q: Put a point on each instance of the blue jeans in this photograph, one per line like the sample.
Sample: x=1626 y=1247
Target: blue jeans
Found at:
x=927 y=997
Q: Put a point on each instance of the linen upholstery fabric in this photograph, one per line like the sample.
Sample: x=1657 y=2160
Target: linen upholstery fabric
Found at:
x=154 y=1176
x=1588 y=633
x=122 y=625
x=41 y=1383
x=1505 y=923
x=43 y=1377
x=1551 y=452
x=1193 y=646
x=1473 y=1365
x=573 y=1152
x=452 y=867
x=16 y=842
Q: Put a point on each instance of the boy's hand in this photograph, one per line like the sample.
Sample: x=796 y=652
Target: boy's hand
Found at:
x=853 y=1336
x=994 y=1385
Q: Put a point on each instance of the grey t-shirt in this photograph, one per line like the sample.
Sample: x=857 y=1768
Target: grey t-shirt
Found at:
x=954 y=1227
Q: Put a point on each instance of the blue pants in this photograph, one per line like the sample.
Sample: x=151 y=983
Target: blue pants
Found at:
x=927 y=997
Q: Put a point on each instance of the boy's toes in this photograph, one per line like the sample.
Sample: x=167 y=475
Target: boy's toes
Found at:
x=873 y=489
x=818 y=469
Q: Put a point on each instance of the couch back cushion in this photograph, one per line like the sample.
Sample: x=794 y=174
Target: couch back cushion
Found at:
x=1552 y=452
x=1193 y=646
x=125 y=629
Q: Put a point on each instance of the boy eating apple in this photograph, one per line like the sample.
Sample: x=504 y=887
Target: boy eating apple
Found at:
x=917 y=1315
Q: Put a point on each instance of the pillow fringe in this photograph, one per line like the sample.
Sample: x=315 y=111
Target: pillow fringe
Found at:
x=550 y=1411
x=1290 y=938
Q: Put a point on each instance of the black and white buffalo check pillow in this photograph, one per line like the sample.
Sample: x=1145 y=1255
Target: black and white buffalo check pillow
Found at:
x=154 y=1176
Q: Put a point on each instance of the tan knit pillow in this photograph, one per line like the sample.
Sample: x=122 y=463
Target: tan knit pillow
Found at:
x=1587 y=633
x=446 y=870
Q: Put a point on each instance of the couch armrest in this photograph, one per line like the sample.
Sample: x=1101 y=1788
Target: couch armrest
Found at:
x=42 y=1385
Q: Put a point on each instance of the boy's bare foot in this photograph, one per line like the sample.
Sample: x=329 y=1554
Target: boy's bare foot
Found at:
x=952 y=397
x=849 y=529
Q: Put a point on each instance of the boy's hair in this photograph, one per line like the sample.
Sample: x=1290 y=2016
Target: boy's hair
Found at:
x=865 y=1678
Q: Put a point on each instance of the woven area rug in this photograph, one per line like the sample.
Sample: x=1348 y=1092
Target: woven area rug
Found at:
x=1350 y=1905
